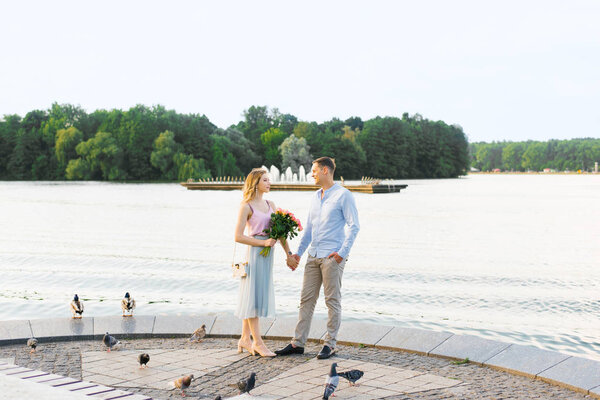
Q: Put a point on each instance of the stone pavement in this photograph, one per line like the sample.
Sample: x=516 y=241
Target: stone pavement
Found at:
x=388 y=374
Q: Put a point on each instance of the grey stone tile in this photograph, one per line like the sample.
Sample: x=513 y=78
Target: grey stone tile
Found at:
x=124 y=326
x=184 y=324
x=62 y=327
x=595 y=391
x=574 y=372
x=472 y=347
x=229 y=325
x=356 y=332
x=414 y=340
x=282 y=328
x=525 y=360
x=13 y=330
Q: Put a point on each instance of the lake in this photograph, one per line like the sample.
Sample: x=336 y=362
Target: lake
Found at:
x=507 y=257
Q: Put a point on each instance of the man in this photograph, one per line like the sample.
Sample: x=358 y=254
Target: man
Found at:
x=330 y=231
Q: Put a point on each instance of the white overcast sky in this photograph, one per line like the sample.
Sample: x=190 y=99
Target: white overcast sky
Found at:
x=503 y=70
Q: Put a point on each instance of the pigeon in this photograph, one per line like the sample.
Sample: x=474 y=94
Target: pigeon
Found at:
x=77 y=307
x=352 y=376
x=183 y=383
x=110 y=342
x=331 y=382
x=143 y=359
x=33 y=344
x=199 y=334
x=246 y=385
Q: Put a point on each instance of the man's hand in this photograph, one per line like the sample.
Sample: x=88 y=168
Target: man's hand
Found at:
x=336 y=256
x=292 y=261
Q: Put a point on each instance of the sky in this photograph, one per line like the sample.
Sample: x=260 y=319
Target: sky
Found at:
x=503 y=70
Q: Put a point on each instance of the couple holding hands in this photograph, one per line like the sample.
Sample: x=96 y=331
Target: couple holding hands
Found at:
x=330 y=231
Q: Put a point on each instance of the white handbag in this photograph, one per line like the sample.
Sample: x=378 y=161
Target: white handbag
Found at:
x=238 y=268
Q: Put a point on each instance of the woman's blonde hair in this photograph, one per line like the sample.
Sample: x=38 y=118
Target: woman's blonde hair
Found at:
x=251 y=184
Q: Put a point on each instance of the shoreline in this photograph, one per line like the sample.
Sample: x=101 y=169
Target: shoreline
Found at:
x=574 y=373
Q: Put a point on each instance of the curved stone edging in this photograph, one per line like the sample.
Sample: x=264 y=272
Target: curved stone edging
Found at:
x=575 y=373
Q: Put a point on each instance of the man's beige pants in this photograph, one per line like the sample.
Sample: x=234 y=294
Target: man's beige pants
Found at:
x=328 y=272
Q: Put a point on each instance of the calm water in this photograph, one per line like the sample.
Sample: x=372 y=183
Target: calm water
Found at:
x=513 y=258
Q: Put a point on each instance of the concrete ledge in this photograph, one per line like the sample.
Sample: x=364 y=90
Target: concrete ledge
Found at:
x=171 y=325
x=525 y=360
x=474 y=348
x=228 y=325
x=120 y=327
x=14 y=331
x=578 y=374
x=366 y=334
x=62 y=328
x=412 y=340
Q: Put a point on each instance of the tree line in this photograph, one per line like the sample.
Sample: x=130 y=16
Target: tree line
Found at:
x=156 y=144
x=560 y=155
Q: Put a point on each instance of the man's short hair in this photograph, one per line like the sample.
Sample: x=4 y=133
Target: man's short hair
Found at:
x=326 y=162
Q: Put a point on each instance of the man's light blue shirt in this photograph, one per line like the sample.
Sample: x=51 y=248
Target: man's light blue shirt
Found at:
x=332 y=223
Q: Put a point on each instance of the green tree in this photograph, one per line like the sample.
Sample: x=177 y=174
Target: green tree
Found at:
x=271 y=140
x=189 y=168
x=534 y=156
x=66 y=141
x=294 y=153
x=102 y=158
x=163 y=155
x=512 y=156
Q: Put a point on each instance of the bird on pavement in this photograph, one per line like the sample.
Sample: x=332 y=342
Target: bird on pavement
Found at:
x=143 y=360
x=110 y=342
x=77 y=307
x=127 y=305
x=246 y=385
x=352 y=376
x=33 y=344
x=198 y=334
x=183 y=383
x=331 y=382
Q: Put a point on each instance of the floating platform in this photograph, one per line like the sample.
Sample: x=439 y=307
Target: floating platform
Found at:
x=296 y=187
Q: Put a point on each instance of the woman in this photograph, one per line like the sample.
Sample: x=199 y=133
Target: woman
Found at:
x=257 y=296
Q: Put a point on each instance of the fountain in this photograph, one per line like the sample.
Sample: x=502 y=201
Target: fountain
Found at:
x=292 y=181
x=302 y=174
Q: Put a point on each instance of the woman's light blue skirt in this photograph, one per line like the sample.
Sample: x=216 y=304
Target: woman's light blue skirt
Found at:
x=256 y=297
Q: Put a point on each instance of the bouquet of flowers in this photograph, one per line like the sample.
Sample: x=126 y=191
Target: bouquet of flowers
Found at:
x=283 y=226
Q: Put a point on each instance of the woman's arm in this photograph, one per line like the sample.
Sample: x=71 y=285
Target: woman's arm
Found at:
x=243 y=216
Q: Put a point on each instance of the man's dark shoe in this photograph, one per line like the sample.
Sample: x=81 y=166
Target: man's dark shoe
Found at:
x=325 y=352
x=289 y=349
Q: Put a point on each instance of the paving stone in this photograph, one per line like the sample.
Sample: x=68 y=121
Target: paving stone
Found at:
x=62 y=327
x=229 y=325
x=525 y=360
x=356 y=332
x=14 y=330
x=477 y=382
x=415 y=340
x=185 y=324
x=467 y=346
x=595 y=391
x=574 y=372
x=124 y=326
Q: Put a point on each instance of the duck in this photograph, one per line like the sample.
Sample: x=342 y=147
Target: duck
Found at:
x=77 y=307
x=127 y=305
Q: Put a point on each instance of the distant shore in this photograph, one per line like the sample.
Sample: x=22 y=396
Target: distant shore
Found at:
x=534 y=173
